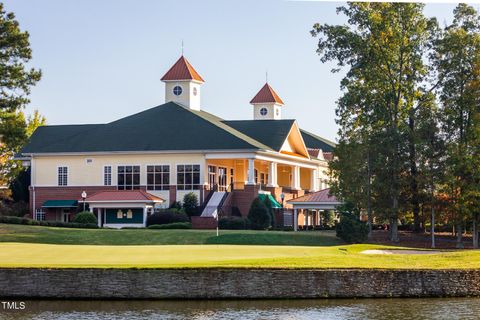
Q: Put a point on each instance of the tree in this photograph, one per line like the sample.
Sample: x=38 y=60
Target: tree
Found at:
x=456 y=60
x=383 y=48
x=16 y=81
x=190 y=204
x=271 y=212
x=258 y=215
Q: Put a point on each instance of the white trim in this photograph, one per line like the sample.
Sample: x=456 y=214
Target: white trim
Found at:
x=199 y=151
x=111 y=175
x=123 y=225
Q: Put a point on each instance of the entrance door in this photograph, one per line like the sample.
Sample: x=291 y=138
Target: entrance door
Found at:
x=65 y=215
x=212 y=176
x=222 y=179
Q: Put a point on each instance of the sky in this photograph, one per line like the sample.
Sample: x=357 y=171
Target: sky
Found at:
x=103 y=60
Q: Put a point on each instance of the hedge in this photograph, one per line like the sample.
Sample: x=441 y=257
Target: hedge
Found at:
x=166 y=217
x=85 y=217
x=232 y=223
x=45 y=223
x=174 y=225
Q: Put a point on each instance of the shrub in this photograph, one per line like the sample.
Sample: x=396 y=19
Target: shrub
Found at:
x=232 y=223
x=166 y=217
x=351 y=230
x=271 y=212
x=85 y=217
x=45 y=223
x=190 y=204
x=258 y=215
x=17 y=209
x=174 y=225
x=176 y=205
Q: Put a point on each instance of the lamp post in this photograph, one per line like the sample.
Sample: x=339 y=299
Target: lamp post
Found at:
x=84 y=196
x=282 y=196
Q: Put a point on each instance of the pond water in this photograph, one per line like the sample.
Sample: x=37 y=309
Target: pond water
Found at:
x=345 y=309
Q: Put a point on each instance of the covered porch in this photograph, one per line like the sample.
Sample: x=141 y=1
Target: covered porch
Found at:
x=307 y=209
x=122 y=208
x=290 y=177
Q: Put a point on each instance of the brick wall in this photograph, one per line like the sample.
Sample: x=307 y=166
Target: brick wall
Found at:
x=242 y=199
x=231 y=283
x=204 y=223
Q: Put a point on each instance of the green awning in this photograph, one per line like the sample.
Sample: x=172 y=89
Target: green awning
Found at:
x=274 y=202
x=60 y=204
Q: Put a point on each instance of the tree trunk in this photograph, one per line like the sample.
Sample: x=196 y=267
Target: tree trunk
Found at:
x=369 y=198
x=475 y=231
x=413 y=175
x=459 y=244
x=394 y=222
x=432 y=225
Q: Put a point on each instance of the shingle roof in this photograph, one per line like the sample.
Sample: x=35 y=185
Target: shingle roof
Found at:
x=272 y=133
x=182 y=70
x=312 y=141
x=267 y=95
x=321 y=196
x=123 y=195
x=166 y=127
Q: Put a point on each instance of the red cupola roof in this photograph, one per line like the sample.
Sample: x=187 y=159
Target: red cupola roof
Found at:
x=267 y=95
x=182 y=70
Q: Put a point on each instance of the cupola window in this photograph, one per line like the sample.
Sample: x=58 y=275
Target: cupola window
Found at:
x=177 y=90
x=263 y=111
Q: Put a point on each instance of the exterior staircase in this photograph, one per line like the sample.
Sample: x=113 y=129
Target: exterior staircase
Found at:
x=213 y=205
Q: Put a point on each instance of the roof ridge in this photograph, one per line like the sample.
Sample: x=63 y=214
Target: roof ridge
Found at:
x=330 y=143
x=182 y=70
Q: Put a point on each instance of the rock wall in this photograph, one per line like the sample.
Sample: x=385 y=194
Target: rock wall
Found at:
x=235 y=283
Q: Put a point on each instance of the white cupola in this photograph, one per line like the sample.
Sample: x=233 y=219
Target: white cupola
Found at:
x=267 y=105
x=182 y=84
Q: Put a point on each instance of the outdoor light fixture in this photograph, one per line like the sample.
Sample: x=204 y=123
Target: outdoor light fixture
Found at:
x=84 y=196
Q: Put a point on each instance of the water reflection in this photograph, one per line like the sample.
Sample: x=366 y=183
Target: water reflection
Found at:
x=389 y=309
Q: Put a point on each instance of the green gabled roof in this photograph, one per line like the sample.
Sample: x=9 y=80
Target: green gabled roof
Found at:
x=313 y=141
x=272 y=133
x=166 y=127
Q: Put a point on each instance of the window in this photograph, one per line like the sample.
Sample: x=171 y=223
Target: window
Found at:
x=39 y=214
x=188 y=177
x=194 y=91
x=277 y=112
x=263 y=111
x=62 y=176
x=158 y=177
x=128 y=177
x=107 y=176
x=177 y=90
x=255 y=171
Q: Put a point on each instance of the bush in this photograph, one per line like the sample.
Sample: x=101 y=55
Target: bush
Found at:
x=232 y=223
x=190 y=204
x=258 y=215
x=268 y=203
x=85 y=217
x=174 y=225
x=17 y=209
x=351 y=230
x=176 y=205
x=45 y=223
x=166 y=217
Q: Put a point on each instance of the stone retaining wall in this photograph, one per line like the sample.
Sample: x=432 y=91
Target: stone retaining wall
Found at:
x=235 y=283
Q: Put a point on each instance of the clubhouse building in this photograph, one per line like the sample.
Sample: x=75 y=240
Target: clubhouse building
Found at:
x=123 y=170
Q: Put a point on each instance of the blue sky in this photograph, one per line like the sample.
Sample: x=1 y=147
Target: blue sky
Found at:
x=102 y=60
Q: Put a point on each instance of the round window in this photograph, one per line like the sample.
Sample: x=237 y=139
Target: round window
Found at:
x=277 y=112
x=194 y=91
x=263 y=111
x=177 y=90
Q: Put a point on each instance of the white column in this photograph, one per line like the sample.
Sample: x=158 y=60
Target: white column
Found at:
x=295 y=178
x=145 y=216
x=272 y=175
x=314 y=180
x=99 y=217
x=251 y=172
x=295 y=219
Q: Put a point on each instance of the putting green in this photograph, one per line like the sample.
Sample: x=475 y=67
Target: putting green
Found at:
x=20 y=255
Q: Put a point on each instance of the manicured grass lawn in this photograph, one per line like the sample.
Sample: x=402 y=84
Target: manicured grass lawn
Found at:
x=37 y=234
x=32 y=246
x=19 y=255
